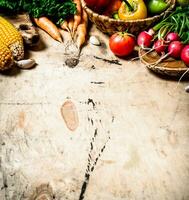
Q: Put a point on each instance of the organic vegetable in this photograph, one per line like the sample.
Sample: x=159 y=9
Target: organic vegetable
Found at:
x=6 y=58
x=56 y=10
x=64 y=26
x=77 y=16
x=172 y=37
x=11 y=37
x=144 y=39
x=185 y=55
x=131 y=10
x=25 y=64
x=178 y=22
x=82 y=30
x=11 y=45
x=97 y=5
x=175 y=48
x=159 y=46
x=48 y=26
x=122 y=44
x=70 y=26
x=112 y=8
x=94 y=40
x=156 y=6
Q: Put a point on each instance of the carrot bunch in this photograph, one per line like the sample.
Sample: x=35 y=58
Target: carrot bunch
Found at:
x=77 y=25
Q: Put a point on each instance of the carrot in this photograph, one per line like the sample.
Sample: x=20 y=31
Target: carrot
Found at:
x=48 y=26
x=77 y=16
x=64 y=25
x=70 y=26
x=82 y=30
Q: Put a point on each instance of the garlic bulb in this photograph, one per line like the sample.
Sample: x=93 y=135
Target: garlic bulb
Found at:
x=26 y=64
x=94 y=40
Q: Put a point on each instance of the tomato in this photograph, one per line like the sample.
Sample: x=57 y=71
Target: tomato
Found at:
x=97 y=5
x=122 y=44
x=112 y=8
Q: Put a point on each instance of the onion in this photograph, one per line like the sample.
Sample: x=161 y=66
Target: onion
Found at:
x=172 y=37
x=185 y=55
x=175 y=48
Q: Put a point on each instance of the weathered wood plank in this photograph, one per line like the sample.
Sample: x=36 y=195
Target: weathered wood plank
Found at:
x=145 y=117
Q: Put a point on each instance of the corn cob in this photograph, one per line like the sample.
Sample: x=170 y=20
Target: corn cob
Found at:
x=11 y=44
x=6 y=58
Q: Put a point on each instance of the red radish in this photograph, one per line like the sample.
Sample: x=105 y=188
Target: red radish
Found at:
x=185 y=55
x=175 y=48
x=159 y=46
x=172 y=37
x=144 y=39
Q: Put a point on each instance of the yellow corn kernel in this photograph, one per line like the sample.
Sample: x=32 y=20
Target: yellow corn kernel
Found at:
x=6 y=58
x=11 y=38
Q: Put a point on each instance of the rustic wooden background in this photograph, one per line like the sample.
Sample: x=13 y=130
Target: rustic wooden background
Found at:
x=132 y=141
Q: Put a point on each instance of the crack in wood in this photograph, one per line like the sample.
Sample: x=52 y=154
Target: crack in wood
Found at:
x=116 y=62
x=23 y=103
x=91 y=166
x=97 y=82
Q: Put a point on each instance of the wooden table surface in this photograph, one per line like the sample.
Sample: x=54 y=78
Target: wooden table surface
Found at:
x=141 y=120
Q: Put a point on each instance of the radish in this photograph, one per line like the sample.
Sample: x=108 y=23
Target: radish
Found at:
x=159 y=46
x=175 y=48
x=172 y=37
x=144 y=39
x=185 y=55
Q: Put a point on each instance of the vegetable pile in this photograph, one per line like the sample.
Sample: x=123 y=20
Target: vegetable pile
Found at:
x=169 y=36
x=49 y=14
x=128 y=9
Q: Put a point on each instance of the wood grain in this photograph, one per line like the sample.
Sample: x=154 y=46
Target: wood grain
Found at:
x=145 y=116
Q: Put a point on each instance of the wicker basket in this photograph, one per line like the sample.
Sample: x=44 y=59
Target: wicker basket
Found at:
x=109 y=26
x=169 y=66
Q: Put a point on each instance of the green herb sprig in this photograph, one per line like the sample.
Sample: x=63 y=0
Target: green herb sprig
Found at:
x=56 y=10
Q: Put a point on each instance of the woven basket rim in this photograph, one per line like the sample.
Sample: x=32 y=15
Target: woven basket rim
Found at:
x=160 y=68
x=106 y=18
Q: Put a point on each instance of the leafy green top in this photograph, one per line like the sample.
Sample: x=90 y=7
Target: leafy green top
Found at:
x=56 y=10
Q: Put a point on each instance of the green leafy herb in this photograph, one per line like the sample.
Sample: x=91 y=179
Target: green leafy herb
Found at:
x=177 y=21
x=56 y=10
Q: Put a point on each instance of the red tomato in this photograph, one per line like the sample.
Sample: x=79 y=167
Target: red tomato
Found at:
x=97 y=4
x=122 y=44
x=113 y=7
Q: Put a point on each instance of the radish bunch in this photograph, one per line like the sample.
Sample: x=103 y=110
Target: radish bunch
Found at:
x=168 y=46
